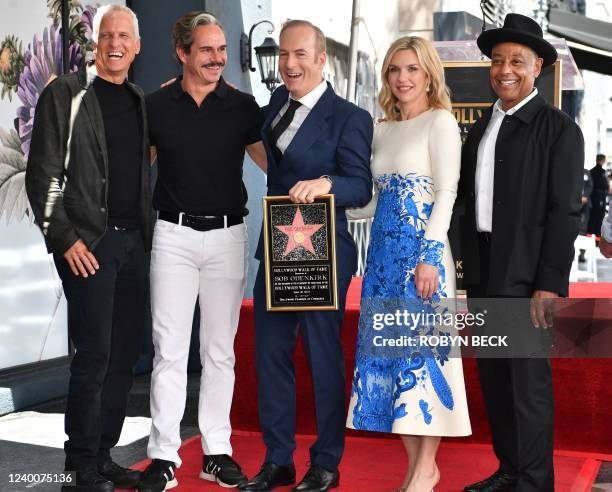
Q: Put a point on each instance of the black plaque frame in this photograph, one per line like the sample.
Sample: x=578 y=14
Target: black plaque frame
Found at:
x=284 y=289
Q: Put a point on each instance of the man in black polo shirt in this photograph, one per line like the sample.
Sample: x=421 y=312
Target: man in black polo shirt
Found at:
x=201 y=128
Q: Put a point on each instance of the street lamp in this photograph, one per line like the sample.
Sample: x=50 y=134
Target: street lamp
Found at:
x=267 y=56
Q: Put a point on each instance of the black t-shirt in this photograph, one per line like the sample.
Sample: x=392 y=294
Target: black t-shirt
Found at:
x=124 y=145
x=200 y=150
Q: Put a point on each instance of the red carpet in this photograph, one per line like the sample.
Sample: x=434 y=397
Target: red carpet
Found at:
x=376 y=462
x=598 y=290
x=583 y=393
x=372 y=465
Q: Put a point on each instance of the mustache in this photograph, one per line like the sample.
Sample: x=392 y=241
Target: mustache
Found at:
x=214 y=65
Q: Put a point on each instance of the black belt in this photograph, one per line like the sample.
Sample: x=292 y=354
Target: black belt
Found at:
x=201 y=222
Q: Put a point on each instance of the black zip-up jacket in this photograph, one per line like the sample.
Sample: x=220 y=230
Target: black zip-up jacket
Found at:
x=68 y=194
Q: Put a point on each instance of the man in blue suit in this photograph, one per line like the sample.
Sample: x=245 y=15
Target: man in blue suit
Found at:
x=316 y=143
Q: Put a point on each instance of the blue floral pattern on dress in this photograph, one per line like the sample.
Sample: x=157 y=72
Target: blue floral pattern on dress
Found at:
x=397 y=245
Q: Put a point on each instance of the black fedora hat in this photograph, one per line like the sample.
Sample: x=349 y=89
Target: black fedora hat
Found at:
x=522 y=30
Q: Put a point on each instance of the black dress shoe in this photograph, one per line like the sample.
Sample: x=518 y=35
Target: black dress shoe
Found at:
x=89 y=480
x=318 y=479
x=498 y=482
x=123 y=478
x=270 y=475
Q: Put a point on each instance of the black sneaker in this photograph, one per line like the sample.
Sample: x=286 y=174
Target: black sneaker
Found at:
x=158 y=476
x=123 y=478
x=222 y=468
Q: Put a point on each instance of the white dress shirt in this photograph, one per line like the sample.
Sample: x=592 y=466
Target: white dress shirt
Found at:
x=485 y=163
x=308 y=102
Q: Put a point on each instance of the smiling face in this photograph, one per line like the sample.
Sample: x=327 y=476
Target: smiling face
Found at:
x=408 y=80
x=514 y=68
x=117 y=46
x=207 y=55
x=300 y=66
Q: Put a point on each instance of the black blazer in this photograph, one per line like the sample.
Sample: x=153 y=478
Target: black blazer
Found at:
x=539 y=160
x=78 y=193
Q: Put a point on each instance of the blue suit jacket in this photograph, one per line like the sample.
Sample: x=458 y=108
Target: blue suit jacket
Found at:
x=336 y=140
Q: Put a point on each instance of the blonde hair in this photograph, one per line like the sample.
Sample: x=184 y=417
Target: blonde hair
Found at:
x=438 y=95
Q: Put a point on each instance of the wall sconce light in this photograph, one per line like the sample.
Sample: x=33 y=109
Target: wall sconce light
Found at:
x=267 y=56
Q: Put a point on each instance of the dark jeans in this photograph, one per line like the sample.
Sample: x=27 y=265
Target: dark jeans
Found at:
x=106 y=314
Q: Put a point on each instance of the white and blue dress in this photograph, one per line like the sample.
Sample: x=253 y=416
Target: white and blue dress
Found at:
x=406 y=389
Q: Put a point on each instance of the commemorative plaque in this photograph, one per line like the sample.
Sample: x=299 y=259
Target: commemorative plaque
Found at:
x=300 y=254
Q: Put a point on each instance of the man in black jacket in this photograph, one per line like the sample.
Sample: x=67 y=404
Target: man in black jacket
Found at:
x=521 y=183
x=599 y=195
x=587 y=190
x=88 y=183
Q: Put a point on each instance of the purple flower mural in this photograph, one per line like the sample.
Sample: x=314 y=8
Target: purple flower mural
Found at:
x=87 y=20
x=27 y=74
x=43 y=61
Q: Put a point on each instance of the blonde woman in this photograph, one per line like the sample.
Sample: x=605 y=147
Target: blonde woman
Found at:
x=411 y=390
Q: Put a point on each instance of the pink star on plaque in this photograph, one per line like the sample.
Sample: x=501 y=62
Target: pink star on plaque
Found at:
x=299 y=234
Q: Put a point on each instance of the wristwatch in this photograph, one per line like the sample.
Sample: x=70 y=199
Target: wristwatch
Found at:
x=328 y=178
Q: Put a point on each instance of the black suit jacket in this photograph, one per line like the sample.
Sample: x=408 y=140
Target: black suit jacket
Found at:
x=539 y=160
x=600 y=188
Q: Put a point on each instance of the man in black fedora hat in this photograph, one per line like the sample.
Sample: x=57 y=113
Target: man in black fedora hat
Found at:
x=521 y=183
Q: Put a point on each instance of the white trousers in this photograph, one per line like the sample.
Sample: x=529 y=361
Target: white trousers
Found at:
x=184 y=264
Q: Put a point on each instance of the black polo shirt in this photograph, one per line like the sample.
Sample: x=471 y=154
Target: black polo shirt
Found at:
x=200 y=150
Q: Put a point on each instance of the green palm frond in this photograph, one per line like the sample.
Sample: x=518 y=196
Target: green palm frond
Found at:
x=77 y=30
x=14 y=205
x=55 y=9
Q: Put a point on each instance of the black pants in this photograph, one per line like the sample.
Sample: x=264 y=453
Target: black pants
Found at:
x=106 y=314
x=598 y=212
x=518 y=396
x=519 y=400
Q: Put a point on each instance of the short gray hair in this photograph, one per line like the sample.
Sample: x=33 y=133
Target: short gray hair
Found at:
x=182 y=33
x=107 y=9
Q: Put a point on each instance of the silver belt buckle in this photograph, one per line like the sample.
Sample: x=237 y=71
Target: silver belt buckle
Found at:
x=216 y=217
